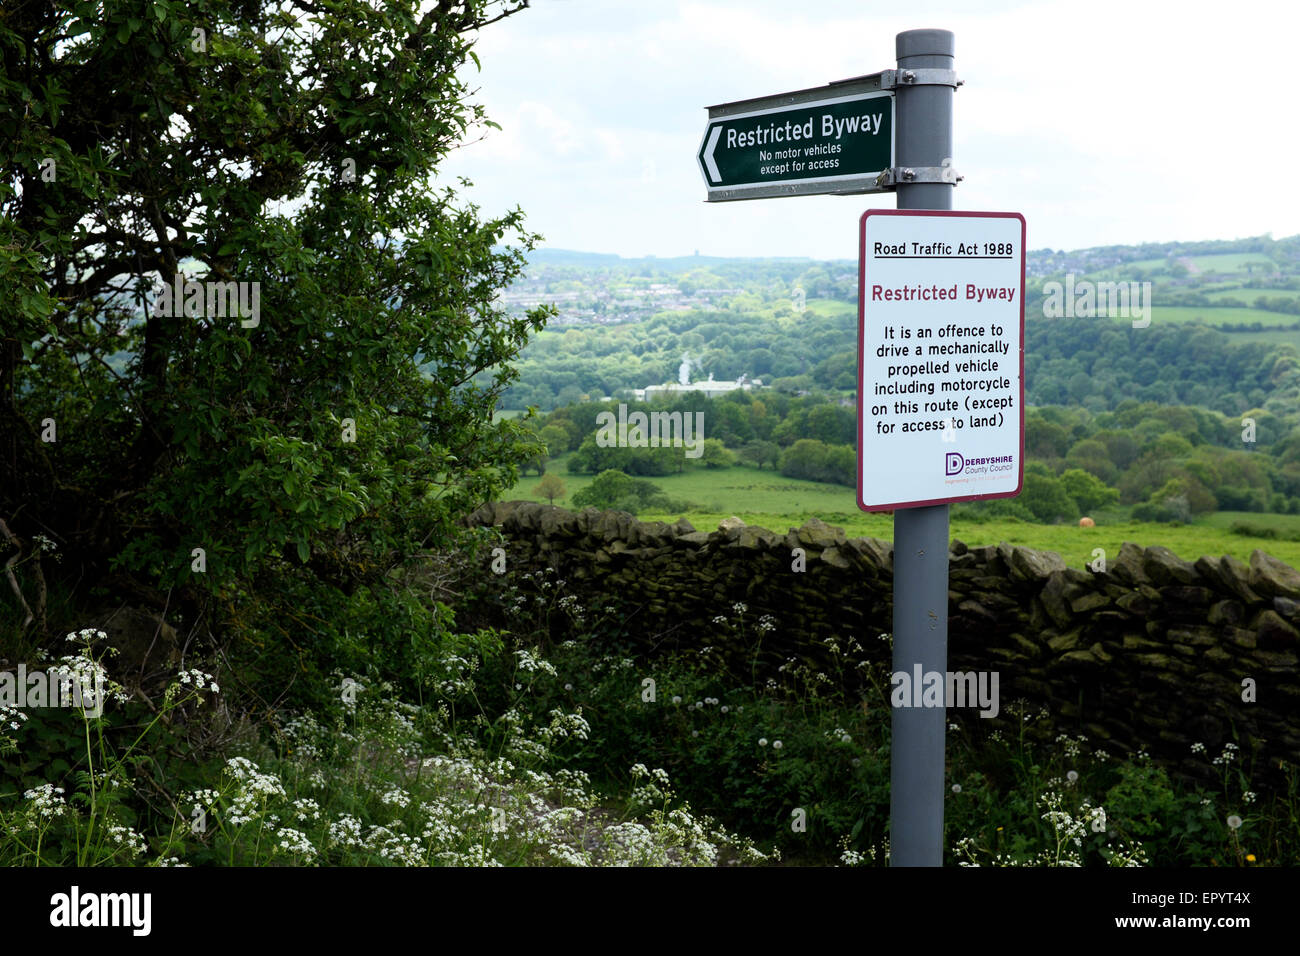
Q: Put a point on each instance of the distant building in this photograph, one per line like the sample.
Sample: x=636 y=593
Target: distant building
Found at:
x=709 y=388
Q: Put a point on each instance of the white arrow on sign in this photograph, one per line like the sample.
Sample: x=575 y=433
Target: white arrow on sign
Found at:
x=709 y=161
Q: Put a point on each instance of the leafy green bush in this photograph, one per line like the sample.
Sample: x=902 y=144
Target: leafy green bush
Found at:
x=614 y=490
x=271 y=470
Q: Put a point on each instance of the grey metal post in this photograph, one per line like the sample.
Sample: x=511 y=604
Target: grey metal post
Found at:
x=923 y=138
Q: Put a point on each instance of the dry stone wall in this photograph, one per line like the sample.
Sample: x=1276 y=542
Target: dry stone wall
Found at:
x=1149 y=654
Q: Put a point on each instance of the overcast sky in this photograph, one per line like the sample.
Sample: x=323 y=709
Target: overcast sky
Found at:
x=1114 y=121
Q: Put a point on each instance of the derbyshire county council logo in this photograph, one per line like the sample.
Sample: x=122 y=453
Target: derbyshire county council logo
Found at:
x=953 y=463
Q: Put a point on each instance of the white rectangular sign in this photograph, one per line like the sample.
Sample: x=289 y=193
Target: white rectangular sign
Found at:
x=941 y=369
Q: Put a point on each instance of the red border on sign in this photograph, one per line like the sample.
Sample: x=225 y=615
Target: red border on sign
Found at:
x=862 y=306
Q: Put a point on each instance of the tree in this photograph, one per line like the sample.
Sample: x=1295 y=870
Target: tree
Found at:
x=1044 y=439
x=806 y=459
x=613 y=489
x=817 y=461
x=1185 y=493
x=533 y=463
x=1047 y=498
x=267 y=445
x=761 y=453
x=1091 y=455
x=716 y=454
x=550 y=488
x=1088 y=491
x=556 y=440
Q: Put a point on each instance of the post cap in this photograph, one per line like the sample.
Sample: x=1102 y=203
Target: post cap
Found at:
x=924 y=43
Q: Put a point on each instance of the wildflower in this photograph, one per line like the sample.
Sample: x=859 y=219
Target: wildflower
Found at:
x=719 y=619
x=531 y=662
x=568 y=687
x=677 y=698
x=777 y=745
x=1250 y=858
x=199 y=679
x=295 y=841
x=203 y=799
x=1072 y=776
x=1249 y=796
x=956 y=788
x=1198 y=748
x=47 y=800
x=1234 y=822
x=127 y=838
x=725 y=708
x=739 y=607
x=762 y=741
x=346 y=831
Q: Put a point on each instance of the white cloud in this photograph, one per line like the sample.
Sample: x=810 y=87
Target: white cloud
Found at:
x=1106 y=123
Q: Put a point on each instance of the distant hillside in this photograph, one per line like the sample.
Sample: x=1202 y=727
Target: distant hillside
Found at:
x=626 y=323
x=647 y=264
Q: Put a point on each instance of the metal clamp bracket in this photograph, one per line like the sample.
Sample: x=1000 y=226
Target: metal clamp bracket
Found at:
x=893 y=79
x=918 y=174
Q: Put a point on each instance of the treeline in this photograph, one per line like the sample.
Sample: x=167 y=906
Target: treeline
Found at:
x=1159 y=462
x=765 y=340
x=812 y=437
x=1172 y=462
x=1096 y=363
x=1100 y=364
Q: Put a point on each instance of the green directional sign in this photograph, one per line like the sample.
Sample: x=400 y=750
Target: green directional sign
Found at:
x=830 y=139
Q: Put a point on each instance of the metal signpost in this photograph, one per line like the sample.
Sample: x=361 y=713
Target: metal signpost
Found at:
x=916 y=749
x=837 y=138
x=951 y=284
x=940 y=419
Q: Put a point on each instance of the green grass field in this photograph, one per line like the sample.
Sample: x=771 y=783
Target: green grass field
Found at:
x=1232 y=263
x=768 y=499
x=1269 y=337
x=824 y=307
x=1215 y=316
x=1159 y=313
x=1250 y=295
x=1167 y=313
